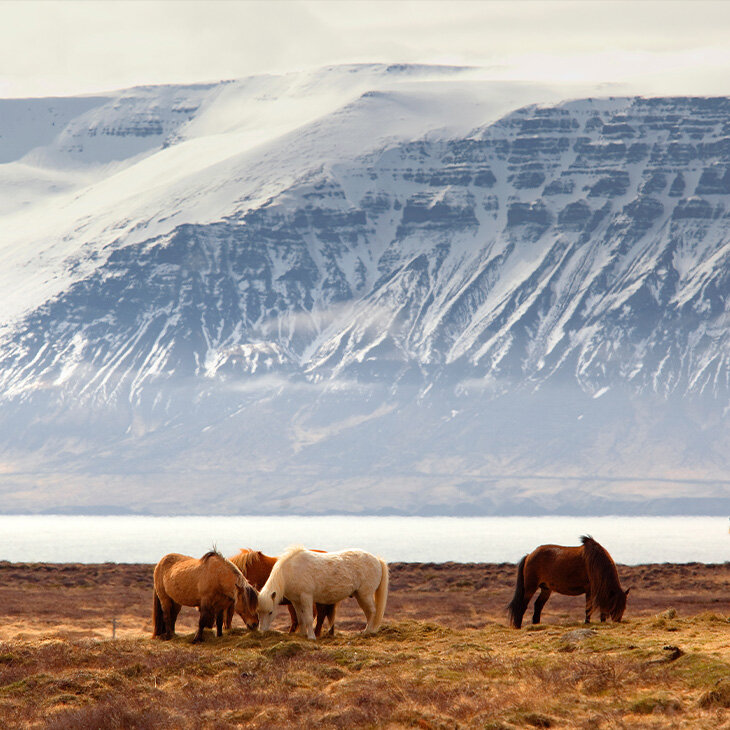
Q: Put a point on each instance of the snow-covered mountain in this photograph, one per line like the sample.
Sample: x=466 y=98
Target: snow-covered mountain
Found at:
x=365 y=289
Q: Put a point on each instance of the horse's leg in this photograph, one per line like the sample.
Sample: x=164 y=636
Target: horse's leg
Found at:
x=294 y=625
x=324 y=611
x=367 y=604
x=174 y=612
x=168 y=616
x=603 y=617
x=219 y=623
x=305 y=614
x=540 y=601
x=205 y=621
x=331 y=615
x=530 y=586
x=589 y=606
x=320 y=610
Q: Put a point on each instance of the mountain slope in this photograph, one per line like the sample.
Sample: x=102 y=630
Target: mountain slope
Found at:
x=372 y=309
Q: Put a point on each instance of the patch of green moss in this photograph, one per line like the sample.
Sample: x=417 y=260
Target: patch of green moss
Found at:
x=70 y=699
x=650 y=704
x=412 y=630
x=354 y=659
x=284 y=650
x=26 y=684
x=701 y=671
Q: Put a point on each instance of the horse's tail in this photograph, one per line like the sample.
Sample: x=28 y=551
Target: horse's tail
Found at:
x=158 y=618
x=516 y=608
x=602 y=574
x=381 y=594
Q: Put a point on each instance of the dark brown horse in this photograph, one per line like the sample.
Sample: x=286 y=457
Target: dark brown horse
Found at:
x=571 y=571
x=256 y=568
x=213 y=584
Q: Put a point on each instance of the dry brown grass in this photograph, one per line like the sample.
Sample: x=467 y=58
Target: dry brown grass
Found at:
x=438 y=662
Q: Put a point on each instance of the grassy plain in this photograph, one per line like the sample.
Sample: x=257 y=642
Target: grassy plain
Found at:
x=444 y=659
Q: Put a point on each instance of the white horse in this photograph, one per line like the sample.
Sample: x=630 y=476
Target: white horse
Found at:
x=306 y=577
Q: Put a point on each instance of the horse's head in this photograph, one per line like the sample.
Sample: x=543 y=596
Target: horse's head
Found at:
x=266 y=605
x=619 y=605
x=246 y=605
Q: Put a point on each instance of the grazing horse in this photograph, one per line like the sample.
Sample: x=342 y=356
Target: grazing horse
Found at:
x=256 y=568
x=306 y=577
x=213 y=584
x=571 y=571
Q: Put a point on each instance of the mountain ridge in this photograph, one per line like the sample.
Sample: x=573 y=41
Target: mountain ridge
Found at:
x=562 y=269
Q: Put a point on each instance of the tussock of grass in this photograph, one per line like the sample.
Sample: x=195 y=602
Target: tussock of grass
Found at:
x=719 y=696
x=284 y=649
x=535 y=719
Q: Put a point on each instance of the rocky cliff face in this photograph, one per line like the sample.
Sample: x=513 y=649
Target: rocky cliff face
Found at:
x=530 y=316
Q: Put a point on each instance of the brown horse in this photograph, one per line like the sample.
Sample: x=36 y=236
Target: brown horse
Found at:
x=256 y=568
x=571 y=571
x=212 y=584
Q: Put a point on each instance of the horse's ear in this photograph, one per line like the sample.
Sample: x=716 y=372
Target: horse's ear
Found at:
x=626 y=592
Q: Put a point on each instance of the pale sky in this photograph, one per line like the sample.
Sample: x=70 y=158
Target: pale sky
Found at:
x=64 y=47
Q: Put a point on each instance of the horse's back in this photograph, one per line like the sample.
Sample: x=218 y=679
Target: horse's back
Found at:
x=172 y=559
x=353 y=560
x=188 y=580
x=330 y=577
x=560 y=568
x=169 y=563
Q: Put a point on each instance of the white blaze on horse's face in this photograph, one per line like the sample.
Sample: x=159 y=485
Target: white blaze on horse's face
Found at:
x=265 y=610
x=265 y=620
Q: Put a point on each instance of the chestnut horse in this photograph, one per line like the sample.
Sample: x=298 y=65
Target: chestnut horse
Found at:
x=256 y=568
x=213 y=584
x=571 y=571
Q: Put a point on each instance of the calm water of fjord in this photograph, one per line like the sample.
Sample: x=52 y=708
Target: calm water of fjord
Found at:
x=132 y=539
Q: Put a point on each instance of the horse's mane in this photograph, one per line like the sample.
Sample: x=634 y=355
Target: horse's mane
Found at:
x=215 y=553
x=290 y=552
x=211 y=554
x=276 y=579
x=605 y=586
x=245 y=559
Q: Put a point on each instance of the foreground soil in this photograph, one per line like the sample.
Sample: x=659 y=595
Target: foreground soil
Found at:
x=75 y=652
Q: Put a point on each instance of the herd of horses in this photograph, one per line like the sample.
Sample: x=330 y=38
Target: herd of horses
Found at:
x=312 y=583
